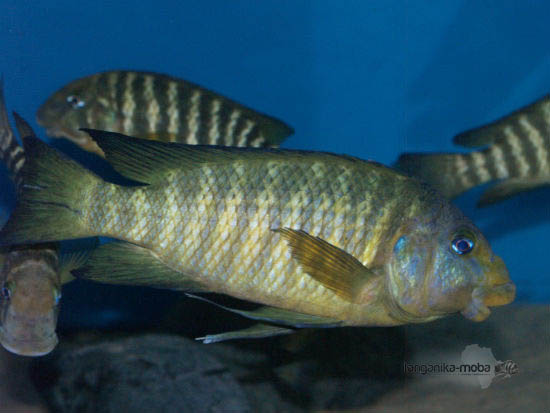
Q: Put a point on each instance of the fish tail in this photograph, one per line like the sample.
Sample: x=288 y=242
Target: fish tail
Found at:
x=11 y=153
x=451 y=174
x=53 y=200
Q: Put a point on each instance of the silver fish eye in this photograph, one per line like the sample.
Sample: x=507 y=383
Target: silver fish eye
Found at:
x=75 y=101
x=462 y=245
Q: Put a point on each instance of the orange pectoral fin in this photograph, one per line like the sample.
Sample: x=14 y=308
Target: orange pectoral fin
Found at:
x=330 y=265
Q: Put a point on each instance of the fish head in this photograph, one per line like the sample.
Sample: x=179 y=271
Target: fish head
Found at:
x=83 y=103
x=29 y=302
x=442 y=264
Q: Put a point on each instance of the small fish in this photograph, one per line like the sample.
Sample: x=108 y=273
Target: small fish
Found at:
x=30 y=283
x=154 y=106
x=321 y=240
x=517 y=156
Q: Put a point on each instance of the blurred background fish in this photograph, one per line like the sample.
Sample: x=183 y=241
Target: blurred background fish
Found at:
x=320 y=239
x=30 y=278
x=517 y=154
x=154 y=106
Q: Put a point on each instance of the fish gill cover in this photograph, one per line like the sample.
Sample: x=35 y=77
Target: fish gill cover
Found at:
x=372 y=79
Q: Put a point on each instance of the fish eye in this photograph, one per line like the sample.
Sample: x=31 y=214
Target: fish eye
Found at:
x=75 y=101
x=462 y=245
x=5 y=293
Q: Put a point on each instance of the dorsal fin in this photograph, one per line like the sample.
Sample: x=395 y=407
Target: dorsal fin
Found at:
x=537 y=114
x=148 y=161
x=22 y=126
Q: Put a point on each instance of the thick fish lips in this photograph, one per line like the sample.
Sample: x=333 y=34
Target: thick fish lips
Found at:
x=498 y=290
x=28 y=336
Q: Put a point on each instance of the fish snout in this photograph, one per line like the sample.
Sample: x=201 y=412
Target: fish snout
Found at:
x=485 y=297
x=496 y=290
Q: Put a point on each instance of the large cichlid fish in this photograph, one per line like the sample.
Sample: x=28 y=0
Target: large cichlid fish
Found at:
x=30 y=275
x=154 y=106
x=319 y=239
x=517 y=155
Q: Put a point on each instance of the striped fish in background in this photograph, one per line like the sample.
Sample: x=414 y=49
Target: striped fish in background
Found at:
x=154 y=106
x=30 y=277
x=517 y=155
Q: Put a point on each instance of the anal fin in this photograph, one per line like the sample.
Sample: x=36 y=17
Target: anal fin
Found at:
x=510 y=187
x=277 y=315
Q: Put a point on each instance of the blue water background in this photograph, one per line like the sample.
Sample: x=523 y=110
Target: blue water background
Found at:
x=370 y=78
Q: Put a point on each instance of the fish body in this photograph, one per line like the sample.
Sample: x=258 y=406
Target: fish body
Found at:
x=311 y=233
x=516 y=154
x=30 y=281
x=154 y=106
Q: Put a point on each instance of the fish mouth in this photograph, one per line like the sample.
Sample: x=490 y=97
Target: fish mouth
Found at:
x=59 y=131
x=78 y=137
x=485 y=297
x=28 y=347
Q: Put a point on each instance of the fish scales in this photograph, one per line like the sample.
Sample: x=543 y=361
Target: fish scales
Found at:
x=217 y=221
x=155 y=106
x=331 y=240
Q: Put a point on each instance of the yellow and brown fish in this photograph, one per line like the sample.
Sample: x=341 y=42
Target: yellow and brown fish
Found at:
x=517 y=155
x=319 y=239
x=30 y=280
x=154 y=106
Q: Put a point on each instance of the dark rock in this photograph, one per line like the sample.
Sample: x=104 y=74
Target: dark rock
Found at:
x=152 y=373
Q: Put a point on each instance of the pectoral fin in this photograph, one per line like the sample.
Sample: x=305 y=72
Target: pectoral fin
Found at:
x=277 y=315
x=330 y=265
x=256 y=331
x=510 y=187
x=129 y=264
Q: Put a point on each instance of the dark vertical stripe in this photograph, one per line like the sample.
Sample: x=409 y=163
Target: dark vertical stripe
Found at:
x=239 y=127
x=205 y=118
x=184 y=104
x=120 y=88
x=160 y=91
x=490 y=163
x=223 y=116
x=531 y=148
x=471 y=171
x=528 y=150
x=509 y=161
x=253 y=135
x=140 y=122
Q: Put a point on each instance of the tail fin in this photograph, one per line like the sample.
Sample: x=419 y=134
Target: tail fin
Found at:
x=11 y=154
x=440 y=170
x=53 y=198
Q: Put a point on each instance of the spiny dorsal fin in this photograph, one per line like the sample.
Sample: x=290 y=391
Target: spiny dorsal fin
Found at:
x=537 y=113
x=22 y=126
x=330 y=265
x=128 y=264
x=149 y=161
x=277 y=315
